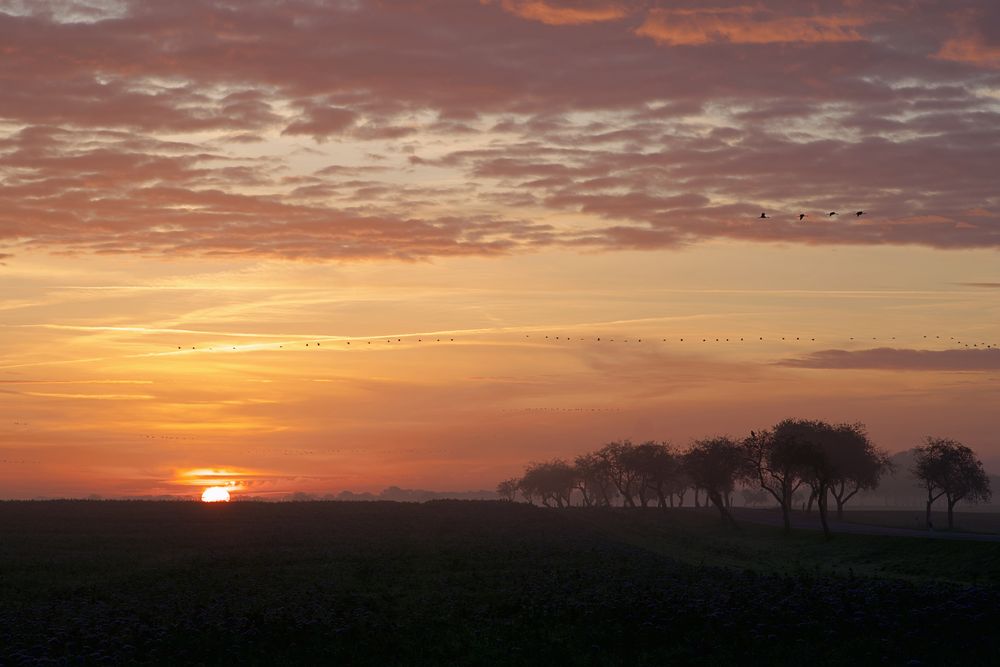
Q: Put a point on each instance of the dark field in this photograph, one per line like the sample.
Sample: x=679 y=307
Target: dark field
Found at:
x=475 y=583
x=973 y=522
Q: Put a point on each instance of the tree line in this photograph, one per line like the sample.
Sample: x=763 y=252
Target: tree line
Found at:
x=828 y=460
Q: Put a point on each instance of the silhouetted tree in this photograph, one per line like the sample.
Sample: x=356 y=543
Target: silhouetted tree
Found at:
x=776 y=459
x=818 y=442
x=552 y=482
x=507 y=489
x=593 y=479
x=617 y=456
x=655 y=470
x=831 y=456
x=949 y=468
x=715 y=465
x=859 y=464
x=682 y=481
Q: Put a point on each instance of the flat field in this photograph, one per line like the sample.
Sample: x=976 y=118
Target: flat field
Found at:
x=452 y=582
x=973 y=522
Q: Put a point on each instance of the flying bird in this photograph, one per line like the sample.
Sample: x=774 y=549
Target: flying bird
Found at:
x=763 y=216
x=859 y=213
x=831 y=214
x=801 y=215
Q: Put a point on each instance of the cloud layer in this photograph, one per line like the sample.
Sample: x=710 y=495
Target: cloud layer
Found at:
x=409 y=130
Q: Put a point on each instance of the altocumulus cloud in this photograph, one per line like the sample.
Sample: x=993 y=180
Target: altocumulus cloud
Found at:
x=164 y=128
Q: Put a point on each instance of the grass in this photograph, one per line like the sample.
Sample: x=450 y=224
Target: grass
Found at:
x=694 y=536
x=473 y=583
x=970 y=522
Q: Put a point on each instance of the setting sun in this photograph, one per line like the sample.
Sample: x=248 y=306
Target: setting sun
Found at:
x=215 y=494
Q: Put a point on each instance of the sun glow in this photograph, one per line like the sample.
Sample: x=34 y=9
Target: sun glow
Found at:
x=215 y=494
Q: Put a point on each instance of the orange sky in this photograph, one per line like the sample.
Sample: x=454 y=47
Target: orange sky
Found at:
x=521 y=177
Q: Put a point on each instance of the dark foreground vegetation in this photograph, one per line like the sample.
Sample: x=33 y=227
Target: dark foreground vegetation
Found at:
x=452 y=582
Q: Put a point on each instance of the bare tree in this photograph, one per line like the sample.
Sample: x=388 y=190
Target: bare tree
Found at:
x=616 y=455
x=949 y=468
x=715 y=465
x=553 y=482
x=507 y=489
x=833 y=459
x=655 y=470
x=812 y=452
x=860 y=464
x=775 y=457
x=593 y=479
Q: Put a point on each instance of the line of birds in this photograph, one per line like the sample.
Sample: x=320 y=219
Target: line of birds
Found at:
x=761 y=338
x=802 y=216
x=600 y=339
x=531 y=410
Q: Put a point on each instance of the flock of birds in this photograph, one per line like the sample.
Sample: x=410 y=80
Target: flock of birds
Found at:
x=952 y=340
x=802 y=216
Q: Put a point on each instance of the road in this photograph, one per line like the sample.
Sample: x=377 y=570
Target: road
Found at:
x=811 y=522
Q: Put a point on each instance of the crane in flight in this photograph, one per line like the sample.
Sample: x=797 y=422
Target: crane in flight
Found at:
x=763 y=216
x=831 y=214
x=860 y=213
x=801 y=215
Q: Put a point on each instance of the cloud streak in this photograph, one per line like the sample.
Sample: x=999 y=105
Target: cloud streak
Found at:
x=984 y=360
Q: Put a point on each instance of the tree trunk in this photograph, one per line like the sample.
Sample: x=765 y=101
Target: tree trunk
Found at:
x=927 y=515
x=840 y=499
x=786 y=515
x=696 y=502
x=720 y=503
x=951 y=513
x=821 y=505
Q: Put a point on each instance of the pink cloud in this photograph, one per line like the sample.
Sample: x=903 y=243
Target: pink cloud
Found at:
x=321 y=121
x=857 y=105
x=558 y=12
x=746 y=25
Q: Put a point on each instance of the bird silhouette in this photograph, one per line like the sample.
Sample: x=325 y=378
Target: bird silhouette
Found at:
x=801 y=215
x=831 y=214
x=763 y=216
x=859 y=213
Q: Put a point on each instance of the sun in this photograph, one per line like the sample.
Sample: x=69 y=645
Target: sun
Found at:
x=215 y=494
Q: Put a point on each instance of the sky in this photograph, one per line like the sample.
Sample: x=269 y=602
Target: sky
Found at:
x=319 y=246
